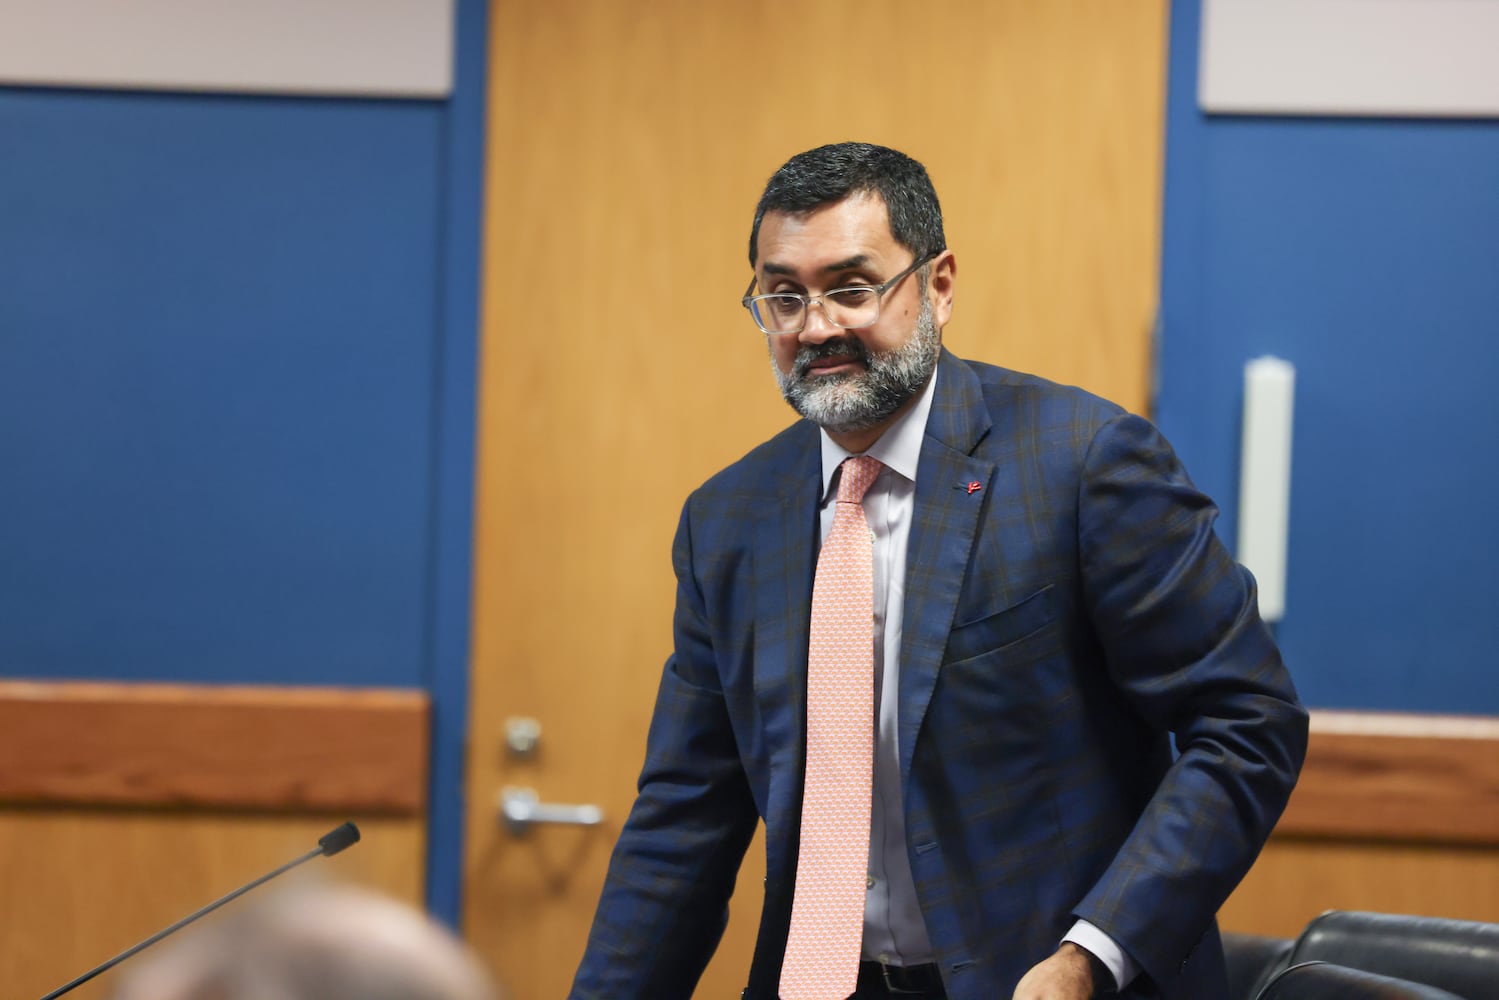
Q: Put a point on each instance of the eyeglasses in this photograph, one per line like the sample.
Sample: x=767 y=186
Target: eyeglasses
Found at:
x=850 y=307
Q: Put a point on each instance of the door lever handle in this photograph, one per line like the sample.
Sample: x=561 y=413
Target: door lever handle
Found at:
x=522 y=808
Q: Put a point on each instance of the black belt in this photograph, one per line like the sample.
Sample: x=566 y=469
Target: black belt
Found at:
x=923 y=980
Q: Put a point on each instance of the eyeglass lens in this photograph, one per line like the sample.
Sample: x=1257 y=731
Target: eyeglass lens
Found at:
x=845 y=307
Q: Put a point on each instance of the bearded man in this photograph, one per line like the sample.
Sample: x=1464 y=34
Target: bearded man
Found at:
x=940 y=635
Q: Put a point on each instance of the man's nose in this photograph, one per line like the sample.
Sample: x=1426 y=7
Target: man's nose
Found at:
x=818 y=327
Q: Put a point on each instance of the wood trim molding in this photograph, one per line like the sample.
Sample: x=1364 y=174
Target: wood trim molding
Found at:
x=1395 y=776
x=210 y=746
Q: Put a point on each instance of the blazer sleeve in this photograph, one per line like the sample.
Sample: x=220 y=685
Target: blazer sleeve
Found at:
x=1184 y=643
x=665 y=898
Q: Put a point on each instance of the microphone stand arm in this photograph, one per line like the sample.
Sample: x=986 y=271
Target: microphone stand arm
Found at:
x=331 y=843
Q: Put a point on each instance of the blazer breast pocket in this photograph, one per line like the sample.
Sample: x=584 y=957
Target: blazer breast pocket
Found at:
x=1002 y=628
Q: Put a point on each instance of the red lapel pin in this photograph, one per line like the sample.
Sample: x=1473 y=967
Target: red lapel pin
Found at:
x=971 y=488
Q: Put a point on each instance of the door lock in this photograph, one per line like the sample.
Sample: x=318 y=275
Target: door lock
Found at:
x=522 y=736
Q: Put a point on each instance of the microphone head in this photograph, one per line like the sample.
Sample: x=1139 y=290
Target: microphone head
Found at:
x=339 y=838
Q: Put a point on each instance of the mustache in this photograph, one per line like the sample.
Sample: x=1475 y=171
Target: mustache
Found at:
x=845 y=348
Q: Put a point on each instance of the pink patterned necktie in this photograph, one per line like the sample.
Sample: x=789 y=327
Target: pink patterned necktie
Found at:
x=827 y=912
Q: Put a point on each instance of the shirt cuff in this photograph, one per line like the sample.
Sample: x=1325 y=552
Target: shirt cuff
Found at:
x=1102 y=947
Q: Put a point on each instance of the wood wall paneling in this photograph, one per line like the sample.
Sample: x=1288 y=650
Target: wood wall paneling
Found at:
x=1393 y=813
x=1394 y=777
x=82 y=885
x=125 y=807
x=1298 y=877
x=213 y=746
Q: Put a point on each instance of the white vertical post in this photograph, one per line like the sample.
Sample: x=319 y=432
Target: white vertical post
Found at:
x=1265 y=478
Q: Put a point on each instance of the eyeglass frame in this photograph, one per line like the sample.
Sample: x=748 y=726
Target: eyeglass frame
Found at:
x=807 y=300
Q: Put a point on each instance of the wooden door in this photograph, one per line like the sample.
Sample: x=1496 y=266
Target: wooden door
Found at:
x=627 y=145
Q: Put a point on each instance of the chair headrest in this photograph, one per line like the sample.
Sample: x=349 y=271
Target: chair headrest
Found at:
x=1325 y=981
x=1461 y=956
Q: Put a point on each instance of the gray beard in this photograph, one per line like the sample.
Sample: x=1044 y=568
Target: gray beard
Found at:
x=858 y=401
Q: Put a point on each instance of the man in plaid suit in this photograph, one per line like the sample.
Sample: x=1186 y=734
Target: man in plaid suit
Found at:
x=1051 y=609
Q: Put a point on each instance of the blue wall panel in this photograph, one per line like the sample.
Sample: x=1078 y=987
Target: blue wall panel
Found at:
x=456 y=386
x=1364 y=252
x=218 y=334
x=238 y=342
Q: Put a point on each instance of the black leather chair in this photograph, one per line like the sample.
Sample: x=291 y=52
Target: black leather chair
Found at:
x=1325 y=981
x=1460 y=956
x=1252 y=959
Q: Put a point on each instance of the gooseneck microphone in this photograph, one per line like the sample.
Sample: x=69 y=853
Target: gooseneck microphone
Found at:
x=335 y=840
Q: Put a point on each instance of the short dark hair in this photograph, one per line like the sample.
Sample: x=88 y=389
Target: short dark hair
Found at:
x=831 y=173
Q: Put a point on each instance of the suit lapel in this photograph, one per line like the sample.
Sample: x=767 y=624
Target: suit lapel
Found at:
x=943 y=528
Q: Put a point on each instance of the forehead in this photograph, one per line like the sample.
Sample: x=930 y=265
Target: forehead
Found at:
x=857 y=225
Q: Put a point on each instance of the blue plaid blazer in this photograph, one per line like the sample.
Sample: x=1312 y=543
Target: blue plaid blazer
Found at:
x=1062 y=624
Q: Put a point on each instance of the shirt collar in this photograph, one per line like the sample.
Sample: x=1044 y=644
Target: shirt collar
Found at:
x=898 y=449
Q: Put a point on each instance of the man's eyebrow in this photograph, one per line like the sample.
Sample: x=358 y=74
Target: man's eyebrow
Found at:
x=858 y=260
x=855 y=262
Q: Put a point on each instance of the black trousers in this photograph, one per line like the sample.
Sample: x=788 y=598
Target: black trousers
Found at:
x=919 y=982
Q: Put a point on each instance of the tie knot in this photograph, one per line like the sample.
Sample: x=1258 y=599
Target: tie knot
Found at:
x=858 y=473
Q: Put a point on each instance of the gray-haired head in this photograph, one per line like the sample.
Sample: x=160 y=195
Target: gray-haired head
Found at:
x=831 y=173
x=314 y=943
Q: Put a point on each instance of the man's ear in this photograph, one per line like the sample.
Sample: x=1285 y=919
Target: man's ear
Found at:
x=941 y=285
